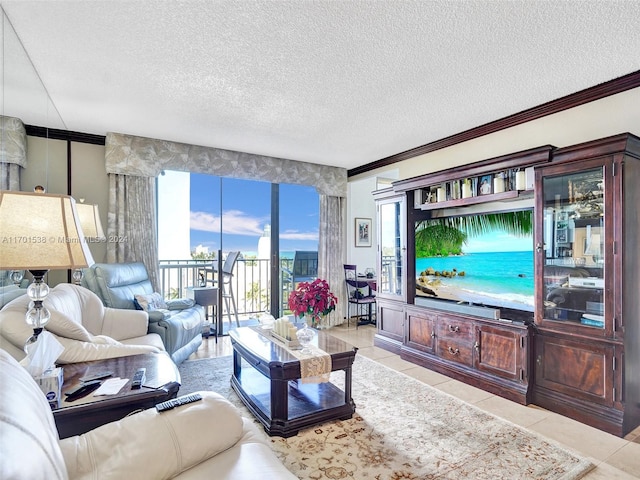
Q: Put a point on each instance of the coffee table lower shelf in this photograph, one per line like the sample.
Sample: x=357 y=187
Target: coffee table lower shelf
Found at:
x=307 y=404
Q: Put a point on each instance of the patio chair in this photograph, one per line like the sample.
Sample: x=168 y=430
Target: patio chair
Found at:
x=228 y=297
x=360 y=295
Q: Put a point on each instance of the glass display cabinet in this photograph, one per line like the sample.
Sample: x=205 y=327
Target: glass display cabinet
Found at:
x=573 y=243
x=391 y=248
x=586 y=354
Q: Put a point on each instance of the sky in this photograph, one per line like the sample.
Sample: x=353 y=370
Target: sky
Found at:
x=498 y=242
x=246 y=210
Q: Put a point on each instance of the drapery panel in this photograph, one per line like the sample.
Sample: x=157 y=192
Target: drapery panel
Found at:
x=331 y=251
x=131 y=223
x=130 y=155
x=13 y=148
x=9 y=176
x=13 y=152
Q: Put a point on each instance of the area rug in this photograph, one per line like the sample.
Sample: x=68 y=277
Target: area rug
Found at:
x=402 y=430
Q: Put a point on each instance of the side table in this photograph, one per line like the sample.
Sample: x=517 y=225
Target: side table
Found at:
x=208 y=298
x=87 y=413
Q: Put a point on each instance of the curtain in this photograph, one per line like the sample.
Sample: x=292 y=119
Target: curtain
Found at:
x=129 y=155
x=9 y=176
x=132 y=227
x=332 y=252
x=13 y=152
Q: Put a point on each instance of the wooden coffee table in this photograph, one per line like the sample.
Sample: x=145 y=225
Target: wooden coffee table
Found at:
x=265 y=376
x=87 y=413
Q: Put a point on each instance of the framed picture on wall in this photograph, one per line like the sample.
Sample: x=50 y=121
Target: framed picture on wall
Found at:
x=363 y=232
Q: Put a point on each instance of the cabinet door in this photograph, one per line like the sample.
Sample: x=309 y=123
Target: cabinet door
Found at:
x=391 y=248
x=501 y=352
x=421 y=330
x=390 y=320
x=573 y=207
x=581 y=370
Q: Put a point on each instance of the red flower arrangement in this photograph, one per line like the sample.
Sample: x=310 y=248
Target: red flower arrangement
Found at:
x=314 y=299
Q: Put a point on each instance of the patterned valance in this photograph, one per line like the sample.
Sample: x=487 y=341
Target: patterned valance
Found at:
x=129 y=155
x=13 y=147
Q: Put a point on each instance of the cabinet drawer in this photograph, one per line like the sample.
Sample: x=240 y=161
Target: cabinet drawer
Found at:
x=456 y=330
x=460 y=352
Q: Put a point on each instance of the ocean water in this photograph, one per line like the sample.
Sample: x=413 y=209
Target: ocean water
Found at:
x=285 y=254
x=503 y=278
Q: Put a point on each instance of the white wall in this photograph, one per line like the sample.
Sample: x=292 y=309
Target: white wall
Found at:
x=89 y=181
x=360 y=204
x=174 y=236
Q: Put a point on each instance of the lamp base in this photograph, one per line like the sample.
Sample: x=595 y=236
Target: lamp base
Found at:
x=37 y=315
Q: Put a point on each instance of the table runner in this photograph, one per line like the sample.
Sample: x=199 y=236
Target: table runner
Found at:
x=315 y=366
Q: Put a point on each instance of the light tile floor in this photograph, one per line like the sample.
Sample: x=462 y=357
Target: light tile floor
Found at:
x=615 y=458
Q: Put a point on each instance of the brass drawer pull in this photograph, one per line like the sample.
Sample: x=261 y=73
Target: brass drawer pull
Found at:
x=454 y=328
x=433 y=334
x=454 y=352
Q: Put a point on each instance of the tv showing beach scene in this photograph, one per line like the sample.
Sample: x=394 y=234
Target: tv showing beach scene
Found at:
x=484 y=260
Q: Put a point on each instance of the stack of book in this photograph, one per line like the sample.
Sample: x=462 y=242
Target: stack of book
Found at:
x=592 y=320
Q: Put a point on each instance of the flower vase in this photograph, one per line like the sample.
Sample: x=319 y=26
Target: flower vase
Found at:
x=305 y=335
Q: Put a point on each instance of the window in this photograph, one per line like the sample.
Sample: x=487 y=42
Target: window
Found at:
x=199 y=214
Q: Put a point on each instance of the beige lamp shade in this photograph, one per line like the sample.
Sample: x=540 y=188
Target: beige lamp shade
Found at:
x=41 y=231
x=90 y=221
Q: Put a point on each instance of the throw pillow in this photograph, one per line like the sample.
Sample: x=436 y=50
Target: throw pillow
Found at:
x=150 y=302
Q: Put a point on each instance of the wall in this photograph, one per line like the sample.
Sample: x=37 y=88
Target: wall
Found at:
x=89 y=181
x=47 y=166
x=174 y=203
x=602 y=118
x=359 y=206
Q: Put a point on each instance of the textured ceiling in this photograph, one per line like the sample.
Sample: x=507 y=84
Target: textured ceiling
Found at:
x=340 y=83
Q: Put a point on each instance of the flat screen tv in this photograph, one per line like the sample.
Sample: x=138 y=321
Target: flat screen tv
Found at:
x=481 y=260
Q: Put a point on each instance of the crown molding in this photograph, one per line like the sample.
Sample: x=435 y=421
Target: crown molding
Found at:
x=597 y=92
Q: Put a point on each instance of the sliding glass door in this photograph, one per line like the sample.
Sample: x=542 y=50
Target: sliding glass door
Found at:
x=200 y=215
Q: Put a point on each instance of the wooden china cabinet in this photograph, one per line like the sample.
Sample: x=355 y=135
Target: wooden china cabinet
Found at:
x=578 y=352
x=587 y=337
x=391 y=268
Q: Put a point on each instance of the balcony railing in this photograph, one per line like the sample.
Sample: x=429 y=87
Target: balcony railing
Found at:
x=251 y=282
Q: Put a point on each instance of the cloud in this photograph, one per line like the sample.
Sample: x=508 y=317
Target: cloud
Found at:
x=237 y=222
x=234 y=222
x=295 y=235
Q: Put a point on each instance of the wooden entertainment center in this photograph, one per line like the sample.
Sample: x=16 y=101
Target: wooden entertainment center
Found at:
x=576 y=349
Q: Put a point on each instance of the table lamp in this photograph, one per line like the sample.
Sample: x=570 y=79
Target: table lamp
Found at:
x=90 y=221
x=91 y=228
x=40 y=232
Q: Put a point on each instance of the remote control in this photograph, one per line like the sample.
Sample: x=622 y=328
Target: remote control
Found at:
x=176 y=402
x=96 y=376
x=138 y=378
x=82 y=391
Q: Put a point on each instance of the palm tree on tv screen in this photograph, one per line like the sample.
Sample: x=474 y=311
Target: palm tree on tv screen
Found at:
x=445 y=236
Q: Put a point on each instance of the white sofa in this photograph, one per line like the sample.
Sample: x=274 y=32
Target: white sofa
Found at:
x=82 y=324
x=202 y=440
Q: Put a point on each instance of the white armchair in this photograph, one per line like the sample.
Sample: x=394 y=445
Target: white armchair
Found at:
x=86 y=329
